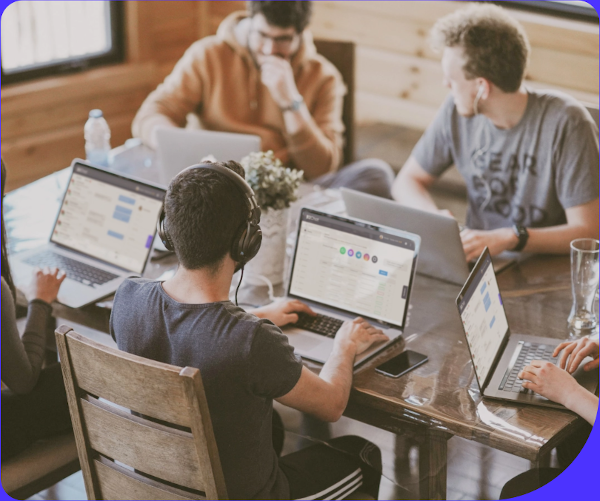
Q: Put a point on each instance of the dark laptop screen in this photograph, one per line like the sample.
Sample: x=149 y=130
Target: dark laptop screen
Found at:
x=354 y=267
x=483 y=317
x=108 y=217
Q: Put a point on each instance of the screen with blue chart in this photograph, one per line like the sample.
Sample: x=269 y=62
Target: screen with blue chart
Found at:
x=484 y=319
x=108 y=217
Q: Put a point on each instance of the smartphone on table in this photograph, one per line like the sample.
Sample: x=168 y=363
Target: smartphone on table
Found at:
x=401 y=364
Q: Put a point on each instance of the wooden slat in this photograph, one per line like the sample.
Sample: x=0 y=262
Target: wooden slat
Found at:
x=374 y=108
x=397 y=75
x=110 y=81
x=570 y=71
x=15 y=126
x=92 y=368
x=118 y=483
x=151 y=449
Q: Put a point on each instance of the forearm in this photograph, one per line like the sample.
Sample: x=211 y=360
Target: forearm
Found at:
x=583 y=403
x=310 y=148
x=412 y=193
x=557 y=239
x=338 y=373
x=146 y=123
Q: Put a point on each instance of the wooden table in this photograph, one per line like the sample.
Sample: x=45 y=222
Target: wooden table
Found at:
x=433 y=403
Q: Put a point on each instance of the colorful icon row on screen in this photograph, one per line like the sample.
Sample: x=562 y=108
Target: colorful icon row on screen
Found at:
x=358 y=254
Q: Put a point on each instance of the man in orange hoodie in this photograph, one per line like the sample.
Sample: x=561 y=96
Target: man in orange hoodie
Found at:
x=261 y=74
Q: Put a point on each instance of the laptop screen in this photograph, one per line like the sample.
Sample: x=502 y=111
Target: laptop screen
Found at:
x=354 y=267
x=108 y=217
x=483 y=317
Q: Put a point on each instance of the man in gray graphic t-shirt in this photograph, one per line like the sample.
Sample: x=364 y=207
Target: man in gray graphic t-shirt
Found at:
x=529 y=158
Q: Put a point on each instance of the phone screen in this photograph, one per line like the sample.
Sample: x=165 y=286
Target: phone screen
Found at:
x=403 y=363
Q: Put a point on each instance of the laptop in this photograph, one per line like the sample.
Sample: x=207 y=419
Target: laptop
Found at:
x=498 y=355
x=179 y=148
x=103 y=234
x=344 y=268
x=442 y=255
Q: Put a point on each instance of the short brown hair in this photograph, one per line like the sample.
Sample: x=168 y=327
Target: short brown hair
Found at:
x=283 y=14
x=495 y=45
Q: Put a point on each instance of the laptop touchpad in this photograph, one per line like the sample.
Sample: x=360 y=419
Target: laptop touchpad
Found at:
x=302 y=342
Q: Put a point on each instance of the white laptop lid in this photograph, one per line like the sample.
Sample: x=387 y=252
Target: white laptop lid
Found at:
x=108 y=217
x=180 y=148
x=441 y=254
x=354 y=267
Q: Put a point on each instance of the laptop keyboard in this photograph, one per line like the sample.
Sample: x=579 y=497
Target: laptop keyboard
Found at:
x=528 y=353
x=321 y=324
x=75 y=270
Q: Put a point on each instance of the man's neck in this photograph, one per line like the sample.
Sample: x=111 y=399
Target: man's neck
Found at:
x=507 y=110
x=200 y=286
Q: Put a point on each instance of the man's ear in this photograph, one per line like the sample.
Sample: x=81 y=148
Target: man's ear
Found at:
x=484 y=88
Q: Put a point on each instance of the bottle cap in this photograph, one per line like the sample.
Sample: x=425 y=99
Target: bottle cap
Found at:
x=96 y=114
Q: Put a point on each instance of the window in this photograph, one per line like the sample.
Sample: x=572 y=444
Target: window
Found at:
x=48 y=38
x=573 y=10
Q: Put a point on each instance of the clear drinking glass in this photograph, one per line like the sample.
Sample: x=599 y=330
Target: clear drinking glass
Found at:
x=584 y=280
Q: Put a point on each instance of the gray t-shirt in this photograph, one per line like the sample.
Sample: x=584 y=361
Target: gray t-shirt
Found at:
x=245 y=363
x=527 y=175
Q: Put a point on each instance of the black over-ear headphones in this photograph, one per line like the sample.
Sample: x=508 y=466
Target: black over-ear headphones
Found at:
x=247 y=239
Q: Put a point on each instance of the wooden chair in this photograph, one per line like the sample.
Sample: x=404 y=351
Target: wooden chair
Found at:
x=142 y=428
x=342 y=56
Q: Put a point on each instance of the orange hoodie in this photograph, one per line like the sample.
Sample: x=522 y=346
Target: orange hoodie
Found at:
x=218 y=80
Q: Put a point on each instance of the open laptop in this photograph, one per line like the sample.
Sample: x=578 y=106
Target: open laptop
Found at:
x=498 y=355
x=442 y=255
x=344 y=268
x=179 y=148
x=103 y=234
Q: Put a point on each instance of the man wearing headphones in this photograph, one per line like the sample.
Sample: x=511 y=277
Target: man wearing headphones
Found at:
x=529 y=158
x=211 y=221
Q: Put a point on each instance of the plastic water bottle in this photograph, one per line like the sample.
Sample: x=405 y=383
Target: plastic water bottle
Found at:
x=97 y=139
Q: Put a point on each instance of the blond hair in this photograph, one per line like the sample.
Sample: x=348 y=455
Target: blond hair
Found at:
x=495 y=44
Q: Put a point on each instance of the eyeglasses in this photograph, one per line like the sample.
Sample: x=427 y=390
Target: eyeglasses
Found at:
x=283 y=42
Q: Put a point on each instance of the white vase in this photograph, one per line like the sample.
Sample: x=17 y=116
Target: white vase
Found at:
x=270 y=260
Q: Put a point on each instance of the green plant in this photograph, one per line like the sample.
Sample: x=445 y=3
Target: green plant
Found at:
x=274 y=185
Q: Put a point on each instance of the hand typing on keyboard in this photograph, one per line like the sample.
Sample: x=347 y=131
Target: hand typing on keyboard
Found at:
x=574 y=352
x=284 y=312
x=46 y=284
x=359 y=333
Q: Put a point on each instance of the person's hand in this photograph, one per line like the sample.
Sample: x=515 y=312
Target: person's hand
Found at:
x=573 y=353
x=549 y=381
x=277 y=75
x=360 y=333
x=46 y=283
x=283 y=312
x=500 y=240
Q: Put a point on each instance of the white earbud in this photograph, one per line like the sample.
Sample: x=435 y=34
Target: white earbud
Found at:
x=480 y=92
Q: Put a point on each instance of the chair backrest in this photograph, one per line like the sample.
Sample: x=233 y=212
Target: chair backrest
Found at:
x=342 y=56
x=142 y=428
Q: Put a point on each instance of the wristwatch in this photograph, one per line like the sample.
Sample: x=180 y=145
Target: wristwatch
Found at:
x=523 y=236
x=295 y=104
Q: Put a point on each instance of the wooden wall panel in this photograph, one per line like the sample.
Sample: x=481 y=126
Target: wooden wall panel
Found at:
x=398 y=73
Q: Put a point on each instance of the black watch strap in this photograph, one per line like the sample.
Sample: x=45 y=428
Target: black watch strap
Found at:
x=523 y=236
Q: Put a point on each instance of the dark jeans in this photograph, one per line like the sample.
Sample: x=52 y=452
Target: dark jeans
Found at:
x=371 y=176
x=42 y=413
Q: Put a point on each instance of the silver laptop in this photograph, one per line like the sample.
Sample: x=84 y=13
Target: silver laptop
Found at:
x=103 y=234
x=498 y=355
x=442 y=255
x=344 y=268
x=180 y=148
